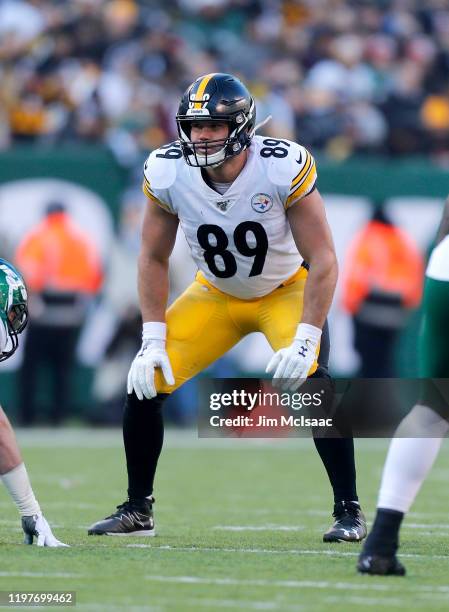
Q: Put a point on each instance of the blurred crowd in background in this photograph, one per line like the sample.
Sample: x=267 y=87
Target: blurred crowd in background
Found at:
x=341 y=77
x=338 y=75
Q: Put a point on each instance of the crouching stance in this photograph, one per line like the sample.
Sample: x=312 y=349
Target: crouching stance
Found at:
x=253 y=217
x=13 y=319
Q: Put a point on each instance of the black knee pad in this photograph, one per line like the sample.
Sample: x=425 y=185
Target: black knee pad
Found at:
x=333 y=407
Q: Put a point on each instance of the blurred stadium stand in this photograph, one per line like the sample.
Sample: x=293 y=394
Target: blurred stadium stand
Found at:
x=341 y=76
x=90 y=87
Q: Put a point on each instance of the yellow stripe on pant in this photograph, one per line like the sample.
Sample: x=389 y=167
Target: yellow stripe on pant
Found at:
x=204 y=323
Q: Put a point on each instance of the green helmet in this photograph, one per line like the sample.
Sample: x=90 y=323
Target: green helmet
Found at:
x=13 y=306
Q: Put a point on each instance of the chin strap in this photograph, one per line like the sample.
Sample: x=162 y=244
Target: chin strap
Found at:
x=261 y=124
x=3 y=336
x=8 y=340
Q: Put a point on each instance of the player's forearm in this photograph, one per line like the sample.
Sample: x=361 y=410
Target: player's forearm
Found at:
x=153 y=285
x=320 y=287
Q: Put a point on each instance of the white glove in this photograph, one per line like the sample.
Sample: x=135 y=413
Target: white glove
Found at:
x=37 y=526
x=291 y=365
x=152 y=355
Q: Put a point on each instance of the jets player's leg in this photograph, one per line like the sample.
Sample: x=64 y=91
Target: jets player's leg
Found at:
x=409 y=458
x=9 y=451
x=14 y=476
x=408 y=462
x=433 y=348
x=13 y=471
x=199 y=331
x=13 y=318
x=280 y=314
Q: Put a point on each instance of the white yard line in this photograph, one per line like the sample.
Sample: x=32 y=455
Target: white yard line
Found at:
x=428 y=591
x=366 y=601
x=258 y=527
x=443 y=526
x=274 y=527
x=257 y=551
x=111 y=607
x=240 y=603
x=15 y=524
x=41 y=575
x=269 y=551
x=244 y=604
x=296 y=584
x=85 y=437
x=93 y=543
x=369 y=514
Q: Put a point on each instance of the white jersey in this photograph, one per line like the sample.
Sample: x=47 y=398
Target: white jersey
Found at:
x=241 y=240
x=438 y=266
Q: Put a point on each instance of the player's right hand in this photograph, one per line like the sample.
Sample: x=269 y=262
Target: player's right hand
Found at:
x=292 y=365
x=152 y=355
x=37 y=526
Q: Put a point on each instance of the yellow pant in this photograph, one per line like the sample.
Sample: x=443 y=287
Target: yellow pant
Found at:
x=204 y=323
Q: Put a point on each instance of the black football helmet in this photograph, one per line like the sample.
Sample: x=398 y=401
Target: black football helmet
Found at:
x=216 y=97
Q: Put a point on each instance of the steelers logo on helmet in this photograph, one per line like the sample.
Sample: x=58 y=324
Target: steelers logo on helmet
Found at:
x=222 y=98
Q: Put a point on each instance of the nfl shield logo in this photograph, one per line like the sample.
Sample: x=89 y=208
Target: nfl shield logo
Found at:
x=223 y=205
x=261 y=202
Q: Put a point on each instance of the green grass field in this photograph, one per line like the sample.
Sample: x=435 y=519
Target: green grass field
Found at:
x=239 y=527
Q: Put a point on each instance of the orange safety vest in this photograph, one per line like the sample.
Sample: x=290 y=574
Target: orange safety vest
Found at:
x=58 y=256
x=385 y=258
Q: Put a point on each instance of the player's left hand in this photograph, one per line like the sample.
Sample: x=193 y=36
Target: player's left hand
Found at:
x=37 y=526
x=291 y=365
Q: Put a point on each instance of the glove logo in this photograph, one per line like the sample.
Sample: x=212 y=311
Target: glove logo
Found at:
x=302 y=351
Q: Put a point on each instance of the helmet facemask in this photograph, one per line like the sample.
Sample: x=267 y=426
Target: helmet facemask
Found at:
x=205 y=153
x=16 y=322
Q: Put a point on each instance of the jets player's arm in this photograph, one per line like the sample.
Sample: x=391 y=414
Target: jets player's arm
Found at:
x=313 y=238
x=158 y=239
x=443 y=230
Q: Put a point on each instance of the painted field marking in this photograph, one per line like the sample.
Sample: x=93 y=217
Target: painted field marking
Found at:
x=296 y=584
x=269 y=551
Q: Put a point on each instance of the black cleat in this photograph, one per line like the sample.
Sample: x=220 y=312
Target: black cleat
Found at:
x=380 y=565
x=350 y=523
x=130 y=519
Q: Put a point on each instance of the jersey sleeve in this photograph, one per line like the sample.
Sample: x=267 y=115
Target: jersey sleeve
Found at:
x=159 y=173
x=304 y=179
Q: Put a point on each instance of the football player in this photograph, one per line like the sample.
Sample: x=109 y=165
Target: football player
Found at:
x=252 y=215
x=410 y=458
x=13 y=319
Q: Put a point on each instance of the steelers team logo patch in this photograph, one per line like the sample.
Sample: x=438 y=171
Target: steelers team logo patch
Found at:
x=261 y=202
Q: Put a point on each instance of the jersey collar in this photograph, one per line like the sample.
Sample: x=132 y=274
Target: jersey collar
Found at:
x=224 y=202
